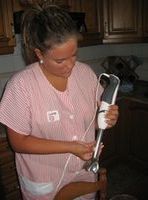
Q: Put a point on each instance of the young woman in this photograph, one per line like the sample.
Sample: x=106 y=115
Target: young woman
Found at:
x=50 y=107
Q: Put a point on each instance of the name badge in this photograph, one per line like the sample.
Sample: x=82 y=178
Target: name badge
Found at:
x=53 y=116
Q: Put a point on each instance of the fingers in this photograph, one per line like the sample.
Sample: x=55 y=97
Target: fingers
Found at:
x=85 y=150
x=113 y=112
x=88 y=156
x=89 y=146
x=100 y=148
x=112 y=115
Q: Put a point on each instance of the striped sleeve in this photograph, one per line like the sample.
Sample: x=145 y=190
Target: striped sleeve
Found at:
x=14 y=107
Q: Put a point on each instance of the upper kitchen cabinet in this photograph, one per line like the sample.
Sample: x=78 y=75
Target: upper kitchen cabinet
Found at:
x=123 y=21
x=145 y=20
x=92 y=9
x=7 y=38
x=91 y=29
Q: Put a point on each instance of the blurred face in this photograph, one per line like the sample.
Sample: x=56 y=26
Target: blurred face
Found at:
x=60 y=60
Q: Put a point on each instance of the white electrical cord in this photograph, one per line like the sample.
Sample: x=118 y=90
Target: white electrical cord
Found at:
x=94 y=116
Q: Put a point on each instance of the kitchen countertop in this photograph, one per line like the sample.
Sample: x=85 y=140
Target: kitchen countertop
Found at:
x=139 y=92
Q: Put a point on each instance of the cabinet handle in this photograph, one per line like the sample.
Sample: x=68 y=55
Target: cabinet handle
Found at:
x=13 y=32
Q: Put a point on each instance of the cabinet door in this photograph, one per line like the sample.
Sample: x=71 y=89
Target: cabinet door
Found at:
x=128 y=140
x=92 y=10
x=89 y=7
x=7 y=40
x=138 y=132
x=93 y=14
x=9 y=186
x=145 y=20
x=61 y=3
x=122 y=21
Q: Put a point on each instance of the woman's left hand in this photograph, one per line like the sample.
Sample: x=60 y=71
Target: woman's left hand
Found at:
x=112 y=115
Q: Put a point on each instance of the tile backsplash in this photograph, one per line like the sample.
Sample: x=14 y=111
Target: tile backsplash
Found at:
x=92 y=55
x=96 y=54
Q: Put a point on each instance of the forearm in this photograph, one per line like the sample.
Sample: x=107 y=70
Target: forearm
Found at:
x=33 y=145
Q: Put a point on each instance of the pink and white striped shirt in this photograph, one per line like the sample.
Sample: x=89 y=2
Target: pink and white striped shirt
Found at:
x=32 y=106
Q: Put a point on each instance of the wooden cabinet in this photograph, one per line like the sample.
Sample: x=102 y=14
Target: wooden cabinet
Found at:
x=9 y=187
x=128 y=140
x=107 y=21
x=7 y=38
x=92 y=10
x=145 y=20
x=138 y=140
x=122 y=21
x=111 y=21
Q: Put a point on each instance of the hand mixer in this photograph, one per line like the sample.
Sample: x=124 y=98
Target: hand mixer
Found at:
x=108 y=98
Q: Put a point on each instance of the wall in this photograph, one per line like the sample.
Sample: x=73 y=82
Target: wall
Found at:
x=96 y=54
x=10 y=63
x=93 y=55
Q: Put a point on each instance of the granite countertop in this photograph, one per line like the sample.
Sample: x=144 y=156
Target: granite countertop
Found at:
x=139 y=92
